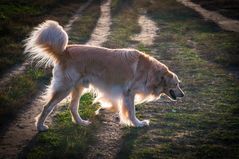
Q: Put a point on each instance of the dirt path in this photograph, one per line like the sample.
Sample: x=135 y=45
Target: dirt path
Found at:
x=102 y=29
x=22 y=129
x=15 y=71
x=21 y=68
x=148 y=31
x=76 y=16
x=223 y=22
x=108 y=136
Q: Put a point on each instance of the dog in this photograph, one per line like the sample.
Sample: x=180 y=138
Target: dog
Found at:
x=119 y=78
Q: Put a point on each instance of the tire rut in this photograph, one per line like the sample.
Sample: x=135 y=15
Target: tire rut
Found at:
x=21 y=68
x=108 y=136
x=22 y=130
x=148 y=31
x=224 y=22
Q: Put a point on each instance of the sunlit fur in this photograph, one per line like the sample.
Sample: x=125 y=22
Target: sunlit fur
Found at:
x=44 y=41
x=118 y=78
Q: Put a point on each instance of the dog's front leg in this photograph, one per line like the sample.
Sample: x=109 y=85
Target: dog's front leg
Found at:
x=128 y=110
x=75 y=97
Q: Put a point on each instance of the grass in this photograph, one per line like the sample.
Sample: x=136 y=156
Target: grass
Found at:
x=205 y=123
x=202 y=125
x=124 y=25
x=85 y=24
x=227 y=8
x=17 y=20
x=15 y=94
x=65 y=139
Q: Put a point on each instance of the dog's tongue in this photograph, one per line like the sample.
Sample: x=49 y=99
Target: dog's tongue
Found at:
x=172 y=94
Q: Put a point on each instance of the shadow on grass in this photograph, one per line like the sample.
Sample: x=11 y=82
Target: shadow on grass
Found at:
x=68 y=142
x=130 y=135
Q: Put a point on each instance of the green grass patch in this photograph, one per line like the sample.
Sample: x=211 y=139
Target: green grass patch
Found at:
x=204 y=124
x=124 y=25
x=18 y=19
x=65 y=139
x=82 y=28
x=15 y=95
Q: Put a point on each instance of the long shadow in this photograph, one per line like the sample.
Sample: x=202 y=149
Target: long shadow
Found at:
x=128 y=140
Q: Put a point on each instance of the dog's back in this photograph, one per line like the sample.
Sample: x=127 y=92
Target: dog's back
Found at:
x=114 y=66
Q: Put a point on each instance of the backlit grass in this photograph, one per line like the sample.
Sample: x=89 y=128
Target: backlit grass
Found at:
x=205 y=123
x=81 y=29
x=124 y=25
x=17 y=21
x=64 y=138
x=15 y=95
x=19 y=17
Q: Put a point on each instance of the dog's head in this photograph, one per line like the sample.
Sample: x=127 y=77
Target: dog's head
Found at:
x=171 y=86
x=166 y=83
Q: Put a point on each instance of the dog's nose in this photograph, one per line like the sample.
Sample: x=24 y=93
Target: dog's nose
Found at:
x=181 y=94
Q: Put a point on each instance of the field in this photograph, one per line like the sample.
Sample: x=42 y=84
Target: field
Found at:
x=203 y=124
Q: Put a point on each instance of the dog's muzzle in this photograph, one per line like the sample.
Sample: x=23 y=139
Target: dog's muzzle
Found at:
x=172 y=94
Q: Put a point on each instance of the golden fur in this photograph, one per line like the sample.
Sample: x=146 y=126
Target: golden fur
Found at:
x=120 y=78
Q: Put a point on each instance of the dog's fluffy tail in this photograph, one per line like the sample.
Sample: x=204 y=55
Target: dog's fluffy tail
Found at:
x=46 y=43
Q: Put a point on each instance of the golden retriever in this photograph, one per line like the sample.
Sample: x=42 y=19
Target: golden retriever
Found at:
x=120 y=78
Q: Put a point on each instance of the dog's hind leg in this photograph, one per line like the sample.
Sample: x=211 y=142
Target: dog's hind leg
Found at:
x=127 y=111
x=56 y=97
x=75 y=97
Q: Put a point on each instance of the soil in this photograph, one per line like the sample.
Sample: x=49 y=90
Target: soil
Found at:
x=17 y=70
x=148 y=31
x=102 y=29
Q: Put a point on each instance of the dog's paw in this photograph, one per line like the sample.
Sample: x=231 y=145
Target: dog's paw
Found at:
x=99 y=111
x=42 y=128
x=83 y=122
x=142 y=123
